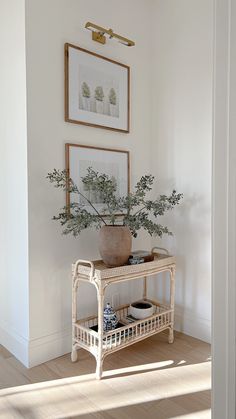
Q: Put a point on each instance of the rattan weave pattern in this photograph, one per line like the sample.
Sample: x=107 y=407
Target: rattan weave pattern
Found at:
x=101 y=271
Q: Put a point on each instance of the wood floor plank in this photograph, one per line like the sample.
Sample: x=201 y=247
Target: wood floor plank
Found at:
x=4 y=353
x=151 y=379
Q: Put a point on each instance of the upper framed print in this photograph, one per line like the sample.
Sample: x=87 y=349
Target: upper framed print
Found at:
x=97 y=90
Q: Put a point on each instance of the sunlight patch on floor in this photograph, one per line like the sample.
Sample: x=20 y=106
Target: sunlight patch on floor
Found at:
x=203 y=414
x=138 y=368
x=84 y=395
x=181 y=362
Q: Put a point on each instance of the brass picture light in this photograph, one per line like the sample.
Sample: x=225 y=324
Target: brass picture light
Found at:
x=99 y=35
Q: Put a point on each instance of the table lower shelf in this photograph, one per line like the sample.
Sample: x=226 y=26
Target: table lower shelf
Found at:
x=123 y=336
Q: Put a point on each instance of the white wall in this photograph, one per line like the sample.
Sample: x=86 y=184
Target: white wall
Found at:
x=48 y=26
x=171 y=70
x=181 y=147
x=14 y=306
x=224 y=210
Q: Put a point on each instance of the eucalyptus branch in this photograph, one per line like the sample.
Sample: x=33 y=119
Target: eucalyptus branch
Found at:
x=141 y=209
x=60 y=179
x=90 y=203
x=134 y=207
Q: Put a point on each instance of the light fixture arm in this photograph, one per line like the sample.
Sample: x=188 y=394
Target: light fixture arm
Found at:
x=98 y=35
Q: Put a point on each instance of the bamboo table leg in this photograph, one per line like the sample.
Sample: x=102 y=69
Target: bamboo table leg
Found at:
x=172 y=304
x=75 y=285
x=100 y=297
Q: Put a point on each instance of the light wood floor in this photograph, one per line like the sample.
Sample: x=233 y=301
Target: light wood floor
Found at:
x=150 y=379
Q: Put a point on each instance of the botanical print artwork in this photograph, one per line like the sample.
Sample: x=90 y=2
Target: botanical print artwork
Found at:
x=111 y=169
x=82 y=161
x=98 y=92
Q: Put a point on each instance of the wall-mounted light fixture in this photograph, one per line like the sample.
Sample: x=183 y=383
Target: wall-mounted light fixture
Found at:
x=99 y=35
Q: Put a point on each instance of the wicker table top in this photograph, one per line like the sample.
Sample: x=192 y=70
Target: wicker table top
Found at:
x=102 y=272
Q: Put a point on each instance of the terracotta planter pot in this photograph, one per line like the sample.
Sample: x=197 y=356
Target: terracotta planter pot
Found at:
x=115 y=245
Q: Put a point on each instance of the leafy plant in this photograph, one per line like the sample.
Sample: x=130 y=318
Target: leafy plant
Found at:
x=112 y=96
x=99 y=95
x=137 y=211
x=85 y=90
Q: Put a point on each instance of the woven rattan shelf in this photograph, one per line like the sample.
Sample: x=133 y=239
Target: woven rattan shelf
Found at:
x=101 y=343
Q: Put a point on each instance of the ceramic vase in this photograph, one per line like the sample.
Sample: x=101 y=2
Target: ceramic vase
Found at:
x=99 y=106
x=115 y=245
x=112 y=110
x=86 y=103
x=109 y=318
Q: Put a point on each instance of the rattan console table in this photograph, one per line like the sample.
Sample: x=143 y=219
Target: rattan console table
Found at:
x=101 y=343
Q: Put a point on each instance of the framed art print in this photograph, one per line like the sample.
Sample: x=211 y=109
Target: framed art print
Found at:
x=114 y=163
x=97 y=90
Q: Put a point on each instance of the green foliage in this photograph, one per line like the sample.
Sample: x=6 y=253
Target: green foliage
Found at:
x=112 y=96
x=76 y=220
x=137 y=211
x=85 y=90
x=99 y=94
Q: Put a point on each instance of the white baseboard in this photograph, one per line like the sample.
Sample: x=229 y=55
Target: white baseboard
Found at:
x=45 y=348
x=36 y=351
x=14 y=343
x=193 y=326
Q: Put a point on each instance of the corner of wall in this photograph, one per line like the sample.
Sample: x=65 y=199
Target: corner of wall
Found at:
x=14 y=343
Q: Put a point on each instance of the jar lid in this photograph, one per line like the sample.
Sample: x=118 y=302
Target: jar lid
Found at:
x=108 y=309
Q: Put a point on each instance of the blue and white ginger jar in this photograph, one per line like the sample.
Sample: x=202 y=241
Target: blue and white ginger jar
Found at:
x=110 y=319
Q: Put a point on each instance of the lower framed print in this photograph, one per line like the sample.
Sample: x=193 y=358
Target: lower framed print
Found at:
x=114 y=163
